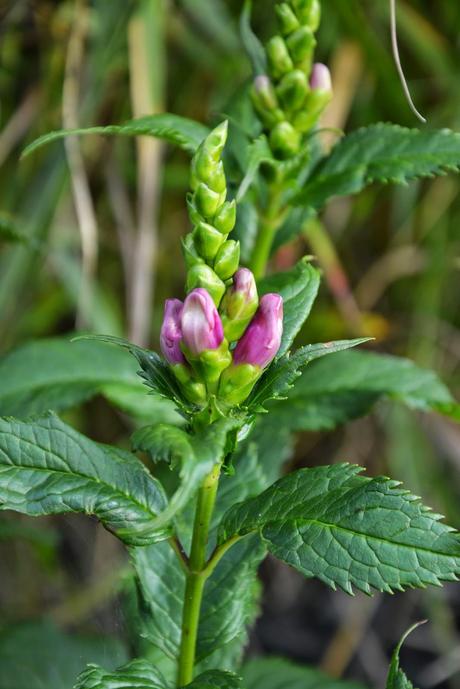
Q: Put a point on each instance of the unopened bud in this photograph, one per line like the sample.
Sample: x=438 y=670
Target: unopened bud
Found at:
x=286 y=18
x=227 y=259
x=212 y=362
x=191 y=256
x=320 y=78
x=194 y=390
x=207 y=240
x=171 y=332
x=239 y=304
x=204 y=276
x=205 y=169
x=237 y=382
x=319 y=97
x=284 y=140
x=201 y=325
x=293 y=89
x=308 y=12
x=301 y=45
x=193 y=214
x=225 y=218
x=278 y=57
x=262 y=338
x=207 y=201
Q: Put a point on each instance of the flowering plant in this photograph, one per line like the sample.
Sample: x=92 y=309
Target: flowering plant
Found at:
x=232 y=391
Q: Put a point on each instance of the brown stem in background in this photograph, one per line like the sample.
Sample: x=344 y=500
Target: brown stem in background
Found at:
x=19 y=123
x=84 y=207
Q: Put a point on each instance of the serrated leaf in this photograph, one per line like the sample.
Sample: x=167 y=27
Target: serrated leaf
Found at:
x=348 y=384
x=216 y=679
x=37 y=655
x=182 y=132
x=397 y=678
x=138 y=674
x=298 y=287
x=56 y=374
x=155 y=372
x=280 y=376
x=251 y=42
x=279 y=673
x=48 y=468
x=258 y=152
x=230 y=594
x=349 y=530
x=380 y=153
x=195 y=455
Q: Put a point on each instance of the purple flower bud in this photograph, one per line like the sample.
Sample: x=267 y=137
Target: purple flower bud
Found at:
x=201 y=324
x=320 y=79
x=262 y=338
x=171 y=332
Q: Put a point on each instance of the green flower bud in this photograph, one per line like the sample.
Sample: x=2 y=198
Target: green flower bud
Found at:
x=301 y=45
x=278 y=57
x=190 y=253
x=318 y=98
x=227 y=259
x=237 y=382
x=194 y=391
x=225 y=218
x=207 y=240
x=207 y=201
x=214 y=143
x=286 y=18
x=308 y=12
x=293 y=89
x=284 y=140
x=204 y=276
x=205 y=169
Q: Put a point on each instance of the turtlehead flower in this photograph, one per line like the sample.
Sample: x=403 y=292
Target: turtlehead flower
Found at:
x=239 y=304
x=171 y=332
x=201 y=325
x=320 y=78
x=262 y=338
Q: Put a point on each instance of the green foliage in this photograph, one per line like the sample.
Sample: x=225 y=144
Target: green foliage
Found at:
x=182 y=132
x=298 y=287
x=216 y=679
x=278 y=673
x=380 y=153
x=36 y=655
x=194 y=454
x=349 y=530
x=251 y=42
x=138 y=674
x=57 y=374
x=397 y=678
x=347 y=385
x=257 y=152
x=279 y=378
x=48 y=468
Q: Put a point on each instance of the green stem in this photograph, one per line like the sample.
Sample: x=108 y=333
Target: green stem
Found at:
x=196 y=576
x=270 y=221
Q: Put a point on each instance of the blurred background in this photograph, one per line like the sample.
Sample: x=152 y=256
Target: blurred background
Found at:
x=107 y=213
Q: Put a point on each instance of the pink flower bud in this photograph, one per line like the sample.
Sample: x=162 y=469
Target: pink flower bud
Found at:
x=171 y=332
x=244 y=283
x=262 y=338
x=320 y=79
x=201 y=325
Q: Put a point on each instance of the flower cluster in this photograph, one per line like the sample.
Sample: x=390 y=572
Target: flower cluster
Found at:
x=290 y=100
x=220 y=339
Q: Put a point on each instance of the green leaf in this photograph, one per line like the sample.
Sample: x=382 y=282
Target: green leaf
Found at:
x=138 y=674
x=298 y=287
x=347 y=385
x=280 y=376
x=216 y=679
x=278 y=673
x=396 y=678
x=230 y=594
x=48 y=468
x=380 y=153
x=9 y=231
x=194 y=454
x=182 y=132
x=251 y=42
x=57 y=374
x=155 y=372
x=258 y=152
x=349 y=531
x=36 y=655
